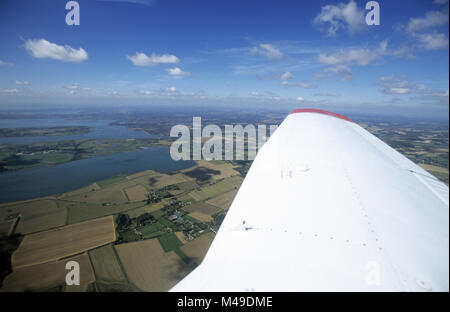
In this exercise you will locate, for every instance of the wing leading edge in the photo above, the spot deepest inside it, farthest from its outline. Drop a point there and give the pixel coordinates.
(326, 206)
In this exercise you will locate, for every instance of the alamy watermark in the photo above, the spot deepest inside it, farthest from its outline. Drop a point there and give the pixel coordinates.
(236, 142)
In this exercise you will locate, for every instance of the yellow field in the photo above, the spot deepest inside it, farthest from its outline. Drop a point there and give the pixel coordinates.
(111, 194)
(220, 187)
(89, 188)
(202, 208)
(186, 197)
(49, 275)
(181, 237)
(226, 169)
(29, 209)
(200, 216)
(147, 208)
(136, 193)
(161, 180)
(434, 168)
(106, 265)
(149, 267)
(223, 201)
(36, 215)
(141, 174)
(197, 248)
(63, 242)
(54, 219)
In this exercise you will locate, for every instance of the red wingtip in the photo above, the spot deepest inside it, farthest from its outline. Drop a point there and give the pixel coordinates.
(319, 111)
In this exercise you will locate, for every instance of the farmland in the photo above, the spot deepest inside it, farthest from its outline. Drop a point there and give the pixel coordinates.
(106, 264)
(140, 232)
(63, 242)
(36, 215)
(149, 267)
(197, 248)
(42, 277)
(216, 189)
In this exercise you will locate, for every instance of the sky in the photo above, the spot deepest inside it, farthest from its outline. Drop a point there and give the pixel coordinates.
(259, 54)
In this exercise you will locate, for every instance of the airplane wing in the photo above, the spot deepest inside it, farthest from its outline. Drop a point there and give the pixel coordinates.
(327, 206)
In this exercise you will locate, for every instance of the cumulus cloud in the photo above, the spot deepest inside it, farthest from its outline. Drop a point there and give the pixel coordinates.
(360, 57)
(433, 41)
(267, 50)
(431, 19)
(171, 89)
(338, 63)
(24, 83)
(342, 71)
(145, 92)
(286, 76)
(177, 72)
(44, 49)
(394, 85)
(10, 91)
(300, 98)
(141, 59)
(424, 29)
(400, 86)
(343, 16)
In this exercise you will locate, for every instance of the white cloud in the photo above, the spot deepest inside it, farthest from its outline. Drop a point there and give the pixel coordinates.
(2, 63)
(433, 41)
(302, 85)
(141, 59)
(440, 2)
(44, 49)
(442, 93)
(25, 83)
(286, 76)
(171, 89)
(145, 92)
(394, 85)
(177, 72)
(339, 62)
(300, 98)
(360, 57)
(340, 70)
(341, 16)
(267, 50)
(431, 19)
(256, 94)
(73, 87)
(10, 91)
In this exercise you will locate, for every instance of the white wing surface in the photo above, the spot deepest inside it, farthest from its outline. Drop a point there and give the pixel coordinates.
(326, 206)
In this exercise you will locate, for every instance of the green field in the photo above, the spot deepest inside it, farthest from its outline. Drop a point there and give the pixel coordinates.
(106, 264)
(169, 242)
(112, 180)
(218, 188)
(78, 212)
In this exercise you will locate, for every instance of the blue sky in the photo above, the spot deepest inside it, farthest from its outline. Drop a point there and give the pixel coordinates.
(255, 53)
